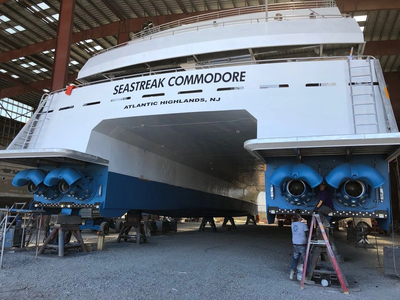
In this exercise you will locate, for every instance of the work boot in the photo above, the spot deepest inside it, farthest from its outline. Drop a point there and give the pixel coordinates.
(308, 281)
(291, 276)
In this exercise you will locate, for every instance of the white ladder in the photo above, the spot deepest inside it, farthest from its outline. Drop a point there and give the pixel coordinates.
(362, 95)
(30, 132)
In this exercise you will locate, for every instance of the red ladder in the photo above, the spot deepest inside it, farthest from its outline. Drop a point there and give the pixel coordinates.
(329, 250)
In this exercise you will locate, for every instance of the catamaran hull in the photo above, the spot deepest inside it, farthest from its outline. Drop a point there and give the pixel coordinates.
(359, 187)
(172, 139)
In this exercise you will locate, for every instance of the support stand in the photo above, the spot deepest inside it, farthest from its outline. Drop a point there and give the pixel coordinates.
(140, 236)
(250, 218)
(317, 247)
(205, 221)
(134, 220)
(231, 220)
(60, 229)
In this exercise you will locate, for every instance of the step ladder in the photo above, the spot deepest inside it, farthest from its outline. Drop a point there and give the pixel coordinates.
(317, 246)
(31, 131)
(362, 95)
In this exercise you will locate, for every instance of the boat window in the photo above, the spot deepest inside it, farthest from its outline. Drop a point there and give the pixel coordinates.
(120, 99)
(91, 103)
(273, 86)
(230, 88)
(66, 107)
(190, 92)
(153, 95)
(320, 84)
(50, 111)
(363, 83)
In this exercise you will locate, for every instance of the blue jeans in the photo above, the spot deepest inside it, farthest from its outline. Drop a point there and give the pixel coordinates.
(297, 251)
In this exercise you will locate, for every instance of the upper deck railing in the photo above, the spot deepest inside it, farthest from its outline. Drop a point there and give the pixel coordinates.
(160, 30)
(246, 60)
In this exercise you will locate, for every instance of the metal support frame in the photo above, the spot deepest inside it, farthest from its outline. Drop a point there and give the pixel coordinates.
(140, 235)
(231, 220)
(205, 221)
(10, 219)
(60, 229)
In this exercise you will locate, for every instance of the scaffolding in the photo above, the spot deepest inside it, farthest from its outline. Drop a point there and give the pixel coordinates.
(27, 222)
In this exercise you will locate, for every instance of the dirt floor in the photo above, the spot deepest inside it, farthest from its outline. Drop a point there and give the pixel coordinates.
(249, 262)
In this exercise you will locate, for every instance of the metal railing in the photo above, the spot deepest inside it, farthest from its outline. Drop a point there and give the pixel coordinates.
(210, 65)
(181, 25)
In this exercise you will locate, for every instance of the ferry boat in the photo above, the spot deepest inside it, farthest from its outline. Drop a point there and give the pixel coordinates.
(198, 116)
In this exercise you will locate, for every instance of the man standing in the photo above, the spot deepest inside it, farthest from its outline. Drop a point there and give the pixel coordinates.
(299, 240)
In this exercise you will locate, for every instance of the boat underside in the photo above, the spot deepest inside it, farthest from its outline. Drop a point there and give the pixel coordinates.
(179, 165)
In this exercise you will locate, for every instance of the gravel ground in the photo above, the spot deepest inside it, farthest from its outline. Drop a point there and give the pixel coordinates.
(250, 262)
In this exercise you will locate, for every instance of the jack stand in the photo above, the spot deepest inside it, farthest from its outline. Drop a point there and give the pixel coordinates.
(250, 218)
(231, 220)
(64, 224)
(140, 236)
(134, 219)
(205, 221)
(60, 229)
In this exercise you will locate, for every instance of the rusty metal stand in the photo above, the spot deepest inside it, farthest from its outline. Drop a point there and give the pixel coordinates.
(61, 229)
(133, 220)
(231, 220)
(317, 247)
(140, 236)
(205, 221)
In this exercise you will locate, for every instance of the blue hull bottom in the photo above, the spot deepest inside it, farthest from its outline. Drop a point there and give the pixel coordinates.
(126, 193)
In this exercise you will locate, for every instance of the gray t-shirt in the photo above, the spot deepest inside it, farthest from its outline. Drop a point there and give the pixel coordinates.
(298, 233)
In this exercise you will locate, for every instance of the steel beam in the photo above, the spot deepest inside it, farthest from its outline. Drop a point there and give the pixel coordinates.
(18, 83)
(63, 47)
(36, 86)
(131, 25)
(390, 47)
(348, 6)
(123, 37)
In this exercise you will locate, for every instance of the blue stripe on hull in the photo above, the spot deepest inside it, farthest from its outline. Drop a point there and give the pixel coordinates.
(126, 193)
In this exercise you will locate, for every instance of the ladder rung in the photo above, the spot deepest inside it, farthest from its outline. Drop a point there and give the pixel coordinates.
(356, 67)
(372, 124)
(365, 75)
(318, 242)
(366, 114)
(363, 104)
(361, 95)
